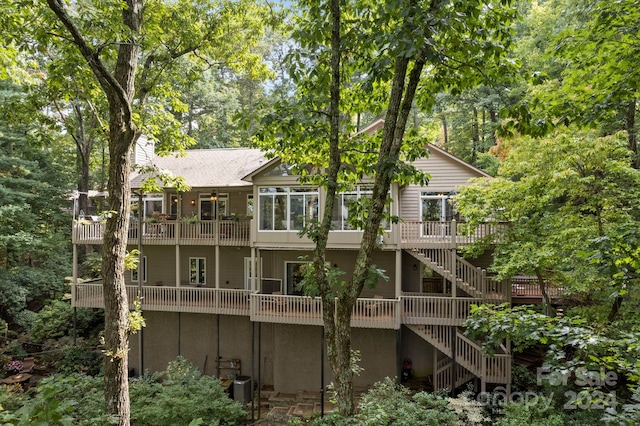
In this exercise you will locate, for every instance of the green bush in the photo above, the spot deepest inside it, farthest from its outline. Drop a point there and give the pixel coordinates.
(388, 403)
(80, 359)
(55, 320)
(79, 400)
(518, 414)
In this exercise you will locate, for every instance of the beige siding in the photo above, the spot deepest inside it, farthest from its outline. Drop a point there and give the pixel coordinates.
(232, 266)
(446, 175)
(273, 266)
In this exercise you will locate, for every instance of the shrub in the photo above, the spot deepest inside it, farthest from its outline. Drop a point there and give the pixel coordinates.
(53, 321)
(388, 403)
(517, 414)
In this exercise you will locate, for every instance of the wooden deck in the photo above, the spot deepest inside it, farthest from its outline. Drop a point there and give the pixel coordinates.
(410, 308)
(172, 232)
(238, 233)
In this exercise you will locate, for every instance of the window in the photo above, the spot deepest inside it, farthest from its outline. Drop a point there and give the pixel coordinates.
(173, 205)
(436, 207)
(153, 205)
(247, 272)
(295, 274)
(134, 272)
(344, 208)
(222, 204)
(197, 271)
(250, 205)
(206, 207)
(286, 208)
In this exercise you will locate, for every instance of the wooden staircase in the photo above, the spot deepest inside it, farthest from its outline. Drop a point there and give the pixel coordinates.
(472, 280)
(449, 340)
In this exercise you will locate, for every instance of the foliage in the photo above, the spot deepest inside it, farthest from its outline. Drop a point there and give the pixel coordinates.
(571, 343)
(569, 201)
(78, 399)
(56, 319)
(518, 413)
(388, 403)
(53, 321)
(80, 358)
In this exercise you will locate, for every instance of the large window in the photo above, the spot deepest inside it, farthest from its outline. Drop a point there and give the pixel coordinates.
(153, 205)
(435, 207)
(197, 271)
(344, 209)
(286, 208)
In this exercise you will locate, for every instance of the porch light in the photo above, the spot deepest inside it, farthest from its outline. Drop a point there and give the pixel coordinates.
(193, 202)
(214, 196)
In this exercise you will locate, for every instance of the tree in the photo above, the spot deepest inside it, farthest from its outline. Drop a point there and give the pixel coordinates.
(356, 57)
(587, 76)
(134, 55)
(569, 202)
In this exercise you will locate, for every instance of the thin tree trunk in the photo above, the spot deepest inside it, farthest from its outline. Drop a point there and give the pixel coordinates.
(615, 308)
(632, 137)
(543, 290)
(445, 131)
(475, 135)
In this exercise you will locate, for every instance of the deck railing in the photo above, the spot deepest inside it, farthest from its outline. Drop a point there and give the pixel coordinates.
(436, 310)
(171, 232)
(171, 299)
(417, 233)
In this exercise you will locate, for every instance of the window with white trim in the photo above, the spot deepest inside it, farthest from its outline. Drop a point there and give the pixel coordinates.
(153, 205)
(197, 271)
(436, 207)
(344, 208)
(134, 272)
(286, 208)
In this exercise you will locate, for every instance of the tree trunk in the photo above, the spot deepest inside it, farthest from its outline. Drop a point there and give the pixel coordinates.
(116, 304)
(632, 137)
(119, 88)
(615, 308)
(543, 290)
(445, 131)
(475, 135)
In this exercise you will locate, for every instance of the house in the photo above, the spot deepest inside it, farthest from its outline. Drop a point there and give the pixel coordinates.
(221, 263)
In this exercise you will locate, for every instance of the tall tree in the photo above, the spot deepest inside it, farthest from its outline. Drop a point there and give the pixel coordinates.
(134, 53)
(365, 57)
(587, 75)
(572, 203)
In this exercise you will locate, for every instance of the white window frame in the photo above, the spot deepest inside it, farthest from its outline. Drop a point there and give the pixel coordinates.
(288, 192)
(197, 265)
(134, 271)
(247, 271)
(360, 191)
(152, 198)
(445, 198)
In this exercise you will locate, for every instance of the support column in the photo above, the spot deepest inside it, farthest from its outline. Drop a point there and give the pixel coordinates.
(217, 260)
(252, 270)
(398, 274)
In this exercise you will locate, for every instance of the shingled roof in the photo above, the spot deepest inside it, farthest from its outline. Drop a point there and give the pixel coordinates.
(223, 167)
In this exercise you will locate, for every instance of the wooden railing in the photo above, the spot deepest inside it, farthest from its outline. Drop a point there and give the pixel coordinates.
(171, 232)
(285, 309)
(436, 310)
(171, 299)
(376, 313)
(417, 234)
(528, 287)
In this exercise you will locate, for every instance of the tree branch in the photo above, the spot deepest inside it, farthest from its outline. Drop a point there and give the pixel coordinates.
(106, 80)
